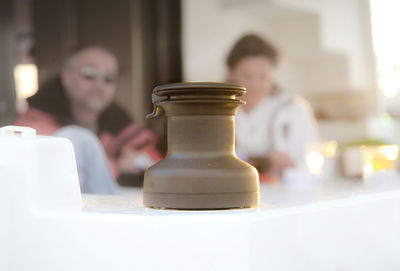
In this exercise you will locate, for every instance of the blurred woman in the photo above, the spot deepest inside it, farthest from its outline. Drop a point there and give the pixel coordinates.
(274, 127)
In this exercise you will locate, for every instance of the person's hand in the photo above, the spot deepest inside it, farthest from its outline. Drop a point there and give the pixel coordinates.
(279, 161)
(135, 161)
(125, 161)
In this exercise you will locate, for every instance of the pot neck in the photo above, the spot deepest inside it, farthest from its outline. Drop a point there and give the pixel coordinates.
(201, 134)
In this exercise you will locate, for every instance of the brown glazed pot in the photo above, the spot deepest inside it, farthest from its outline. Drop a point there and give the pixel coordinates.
(201, 169)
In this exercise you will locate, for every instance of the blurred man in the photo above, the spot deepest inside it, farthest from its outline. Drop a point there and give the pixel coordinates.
(79, 105)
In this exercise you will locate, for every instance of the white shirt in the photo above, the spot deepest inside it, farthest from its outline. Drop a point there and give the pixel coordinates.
(281, 122)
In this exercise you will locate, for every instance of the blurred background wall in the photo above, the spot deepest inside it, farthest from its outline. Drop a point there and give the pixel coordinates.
(7, 62)
(327, 50)
(327, 46)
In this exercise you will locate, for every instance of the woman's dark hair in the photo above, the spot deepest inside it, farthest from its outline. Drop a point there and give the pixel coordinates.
(252, 45)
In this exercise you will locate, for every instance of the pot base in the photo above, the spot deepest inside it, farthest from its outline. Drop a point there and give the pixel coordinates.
(210, 201)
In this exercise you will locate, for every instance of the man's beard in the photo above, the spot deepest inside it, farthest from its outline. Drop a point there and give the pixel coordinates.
(94, 105)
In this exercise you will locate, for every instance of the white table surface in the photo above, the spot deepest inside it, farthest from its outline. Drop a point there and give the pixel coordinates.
(273, 196)
(46, 225)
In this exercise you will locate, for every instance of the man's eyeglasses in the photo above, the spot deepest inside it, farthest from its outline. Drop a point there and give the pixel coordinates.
(91, 73)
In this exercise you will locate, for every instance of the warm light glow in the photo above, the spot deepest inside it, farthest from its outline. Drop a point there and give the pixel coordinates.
(368, 169)
(326, 148)
(389, 83)
(330, 149)
(379, 158)
(315, 161)
(384, 18)
(390, 152)
(26, 80)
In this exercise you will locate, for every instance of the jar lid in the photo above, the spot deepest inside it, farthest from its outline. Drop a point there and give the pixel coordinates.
(195, 92)
(199, 88)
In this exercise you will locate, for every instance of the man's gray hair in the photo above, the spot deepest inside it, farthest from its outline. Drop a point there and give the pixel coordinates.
(73, 55)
